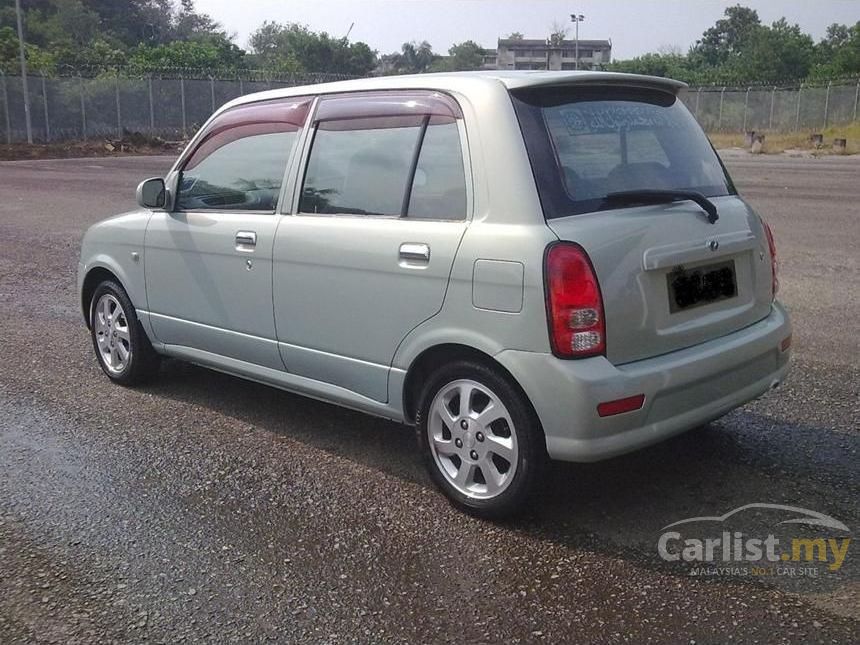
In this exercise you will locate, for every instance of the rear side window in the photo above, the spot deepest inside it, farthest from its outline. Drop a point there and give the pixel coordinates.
(240, 161)
(585, 143)
(397, 165)
(360, 167)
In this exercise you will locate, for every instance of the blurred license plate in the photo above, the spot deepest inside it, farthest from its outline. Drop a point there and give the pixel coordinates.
(690, 288)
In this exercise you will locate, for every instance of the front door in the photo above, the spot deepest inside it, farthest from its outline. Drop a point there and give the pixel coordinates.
(368, 253)
(208, 263)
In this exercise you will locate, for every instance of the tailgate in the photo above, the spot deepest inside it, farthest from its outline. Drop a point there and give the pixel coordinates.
(640, 253)
(616, 167)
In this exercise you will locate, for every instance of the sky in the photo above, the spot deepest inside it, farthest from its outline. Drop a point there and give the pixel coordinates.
(634, 26)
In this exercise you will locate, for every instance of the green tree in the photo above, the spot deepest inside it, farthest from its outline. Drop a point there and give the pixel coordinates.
(275, 45)
(211, 52)
(838, 54)
(837, 36)
(414, 58)
(738, 48)
(105, 33)
(68, 22)
(778, 52)
(847, 58)
(558, 33)
(8, 47)
(188, 24)
(666, 65)
(100, 53)
(38, 60)
(467, 55)
(128, 21)
(728, 37)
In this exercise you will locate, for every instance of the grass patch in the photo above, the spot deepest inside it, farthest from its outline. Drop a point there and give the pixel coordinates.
(776, 142)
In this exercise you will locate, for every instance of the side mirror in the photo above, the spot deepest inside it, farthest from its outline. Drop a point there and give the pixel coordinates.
(151, 193)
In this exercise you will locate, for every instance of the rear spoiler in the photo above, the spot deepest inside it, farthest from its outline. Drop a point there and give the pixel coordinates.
(543, 79)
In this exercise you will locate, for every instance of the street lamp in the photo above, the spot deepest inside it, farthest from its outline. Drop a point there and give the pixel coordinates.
(576, 18)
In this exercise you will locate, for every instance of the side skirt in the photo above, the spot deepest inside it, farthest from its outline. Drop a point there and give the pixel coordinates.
(285, 381)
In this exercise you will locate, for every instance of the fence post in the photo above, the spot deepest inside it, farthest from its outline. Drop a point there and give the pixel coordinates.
(720, 117)
(797, 115)
(827, 103)
(24, 88)
(212, 92)
(6, 108)
(83, 109)
(746, 104)
(151, 108)
(242, 88)
(698, 97)
(856, 97)
(118, 110)
(770, 118)
(182, 98)
(45, 106)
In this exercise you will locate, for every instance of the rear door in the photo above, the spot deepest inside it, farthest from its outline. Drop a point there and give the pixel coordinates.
(367, 253)
(669, 278)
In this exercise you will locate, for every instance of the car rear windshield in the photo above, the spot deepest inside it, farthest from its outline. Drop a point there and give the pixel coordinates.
(585, 143)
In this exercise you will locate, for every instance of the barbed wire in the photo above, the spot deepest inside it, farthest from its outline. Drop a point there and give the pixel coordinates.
(191, 73)
(784, 85)
(295, 78)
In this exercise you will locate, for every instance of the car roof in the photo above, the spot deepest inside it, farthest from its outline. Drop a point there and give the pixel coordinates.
(465, 82)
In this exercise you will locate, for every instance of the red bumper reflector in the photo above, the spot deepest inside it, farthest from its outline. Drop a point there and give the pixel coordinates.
(619, 406)
(786, 343)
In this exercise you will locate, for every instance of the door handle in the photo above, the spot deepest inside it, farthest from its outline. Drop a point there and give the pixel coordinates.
(246, 240)
(415, 252)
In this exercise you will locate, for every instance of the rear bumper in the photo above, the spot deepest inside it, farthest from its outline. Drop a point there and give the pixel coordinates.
(683, 389)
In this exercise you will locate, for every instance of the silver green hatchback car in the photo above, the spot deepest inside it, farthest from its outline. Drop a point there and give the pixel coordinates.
(522, 265)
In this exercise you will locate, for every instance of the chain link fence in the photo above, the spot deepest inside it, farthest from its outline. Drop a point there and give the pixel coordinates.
(65, 108)
(795, 108)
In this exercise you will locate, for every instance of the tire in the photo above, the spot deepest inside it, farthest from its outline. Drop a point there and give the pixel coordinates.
(122, 348)
(460, 443)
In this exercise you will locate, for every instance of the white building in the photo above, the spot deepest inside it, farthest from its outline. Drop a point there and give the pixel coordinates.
(515, 53)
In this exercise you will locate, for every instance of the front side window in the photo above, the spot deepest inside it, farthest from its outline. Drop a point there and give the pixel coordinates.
(369, 166)
(586, 143)
(239, 163)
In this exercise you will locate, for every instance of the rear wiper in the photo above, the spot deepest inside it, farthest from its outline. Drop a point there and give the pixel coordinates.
(664, 196)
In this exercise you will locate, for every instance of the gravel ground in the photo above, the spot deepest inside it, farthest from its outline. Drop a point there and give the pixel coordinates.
(204, 507)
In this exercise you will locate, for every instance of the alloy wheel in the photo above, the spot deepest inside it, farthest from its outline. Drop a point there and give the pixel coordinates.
(112, 333)
(472, 439)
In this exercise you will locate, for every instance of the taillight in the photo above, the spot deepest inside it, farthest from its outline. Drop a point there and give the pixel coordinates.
(573, 302)
(774, 263)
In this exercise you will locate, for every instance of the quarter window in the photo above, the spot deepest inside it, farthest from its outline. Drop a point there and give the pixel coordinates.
(240, 162)
(439, 188)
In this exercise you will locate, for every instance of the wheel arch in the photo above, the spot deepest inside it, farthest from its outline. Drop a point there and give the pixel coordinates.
(94, 276)
(434, 357)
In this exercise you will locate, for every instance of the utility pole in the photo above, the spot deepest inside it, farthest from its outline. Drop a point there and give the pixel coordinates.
(576, 18)
(23, 55)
